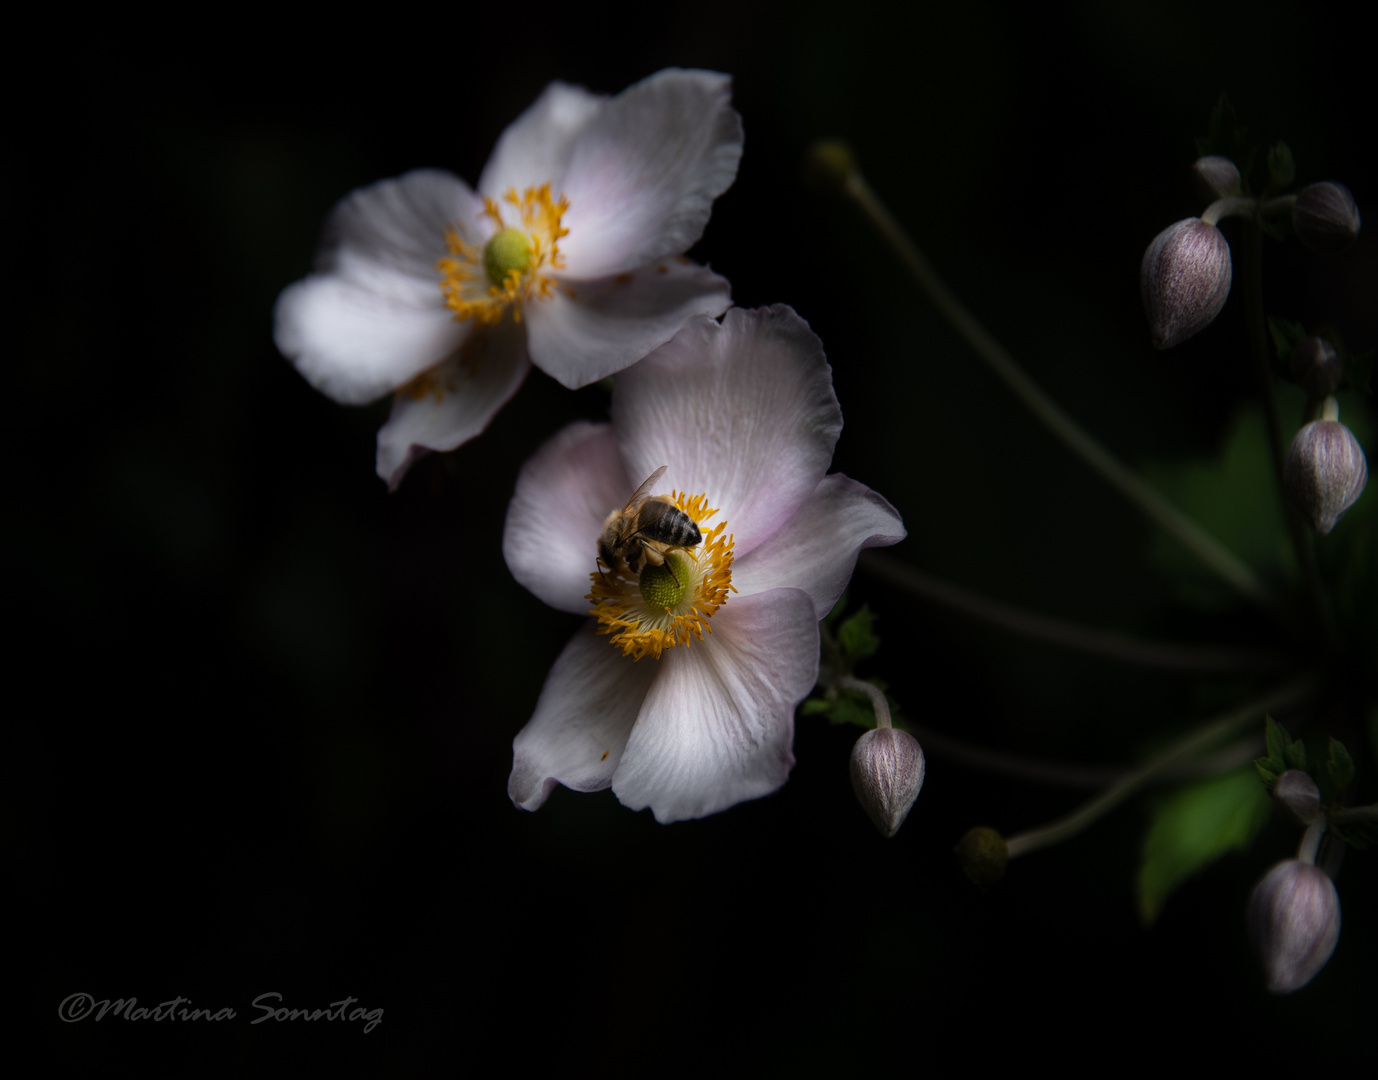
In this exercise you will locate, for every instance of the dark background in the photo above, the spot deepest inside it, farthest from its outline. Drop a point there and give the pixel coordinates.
(264, 710)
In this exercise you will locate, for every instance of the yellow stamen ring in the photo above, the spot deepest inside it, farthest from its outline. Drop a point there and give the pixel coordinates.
(640, 628)
(484, 283)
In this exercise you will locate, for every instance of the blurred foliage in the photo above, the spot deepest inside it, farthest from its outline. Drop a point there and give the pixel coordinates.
(1194, 826)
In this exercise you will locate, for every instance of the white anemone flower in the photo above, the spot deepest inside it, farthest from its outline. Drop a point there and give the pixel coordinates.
(568, 256)
(680, 693)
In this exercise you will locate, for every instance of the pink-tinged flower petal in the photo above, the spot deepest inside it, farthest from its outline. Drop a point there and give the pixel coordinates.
(450, 404)
(717, 725)
(564, 494)
(586, 709)
(643, 174)
(816, 549)
(743, 412)
(588, 331)
(397, 228)
(354, 344)
(535, 148)
(372, 317)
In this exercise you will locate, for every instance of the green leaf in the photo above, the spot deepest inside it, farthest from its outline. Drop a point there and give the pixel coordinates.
(1282, 169)
(1284, 753)
(1275, 738)
(857, 636)
(848, 707)
(1357, 834)
(1340, 766)
(1285, 336)
(1225, 136)
(1234, 498)
(852, 710)
(1194, 826)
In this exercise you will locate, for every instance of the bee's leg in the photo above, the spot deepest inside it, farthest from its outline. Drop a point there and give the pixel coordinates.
(656, 557)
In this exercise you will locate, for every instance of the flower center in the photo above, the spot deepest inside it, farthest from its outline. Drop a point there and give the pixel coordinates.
(508, 253)
(484, 283)
(671, 604)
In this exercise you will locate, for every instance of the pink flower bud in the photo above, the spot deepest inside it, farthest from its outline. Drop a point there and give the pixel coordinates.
(1325, 472)
(887, 773)
(1294, 923)
(1297, 794)
(1215, 177)
(1326, 217)
(1184, 280)
(1315, 366)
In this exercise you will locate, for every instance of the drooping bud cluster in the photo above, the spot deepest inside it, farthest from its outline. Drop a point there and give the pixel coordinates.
(1214, 177)
(1294, 923)
(1325, 472)
(1316, 366)
(1298, 795)
(887, 772)
(1184, 280)
(1326, 217)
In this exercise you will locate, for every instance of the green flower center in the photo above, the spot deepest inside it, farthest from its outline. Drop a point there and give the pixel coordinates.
(659, 587)
(509, 250)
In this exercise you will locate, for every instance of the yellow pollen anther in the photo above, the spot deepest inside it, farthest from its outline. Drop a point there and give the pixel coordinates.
(484, 283)
(624, 605)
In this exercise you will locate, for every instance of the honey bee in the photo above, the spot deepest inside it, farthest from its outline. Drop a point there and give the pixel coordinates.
(647, 527)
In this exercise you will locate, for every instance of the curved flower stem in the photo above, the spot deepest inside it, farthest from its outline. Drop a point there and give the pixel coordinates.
(1197, 740)
(877, 696)
(1073, 774)
(1230, 206)
(1311, 840)
(1070, 635)
(1228, 566)
(1255, 325)
(1281, 204)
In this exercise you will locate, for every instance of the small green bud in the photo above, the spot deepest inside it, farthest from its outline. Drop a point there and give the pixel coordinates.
(828, 165)
(665, 586)
(1315, 366)
(508, 250)
(1326, 217)
(983, 855)
(1282, 170)
(1184, 280)
(1294, 923)
(1325, 472)
(1215, 177)
(887, 772)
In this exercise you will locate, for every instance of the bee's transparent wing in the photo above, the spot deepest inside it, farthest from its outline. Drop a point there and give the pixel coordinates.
(641, 492)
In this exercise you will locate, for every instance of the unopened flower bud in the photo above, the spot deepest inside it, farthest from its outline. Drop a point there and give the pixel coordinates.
(1184, 280)
(1316, 366)
(828, 165)
(887, 773)
(1325, 472)
(1298, 795)
(1215, 177)
(1294, 923)
(1326, 217)
(983, 854)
